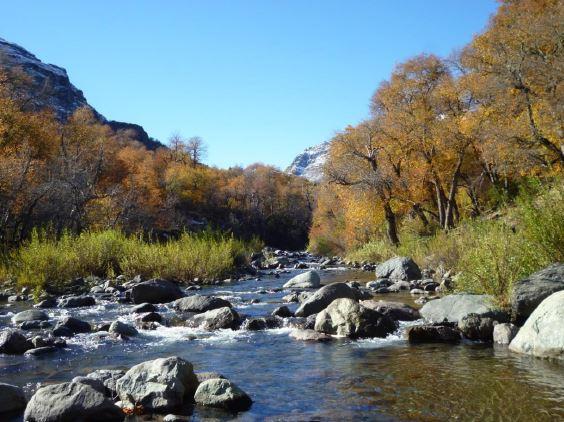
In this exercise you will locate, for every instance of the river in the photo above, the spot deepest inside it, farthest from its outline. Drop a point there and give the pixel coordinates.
(377, 379)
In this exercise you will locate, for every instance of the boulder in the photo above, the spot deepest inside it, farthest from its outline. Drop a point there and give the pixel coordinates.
(543, 332)
(74, 325)
(49, 302)
(432, 333)
(215, 319)
(398, 286)
(143, 307)
(158, 385)
(70, 401)
(121, 328)
(399, 268)
(397, 311)
(34, 325)
(475, 327)
(199, 303)
(323, 297)
(12, 398)
(30, 315)
(346, 317)
(504, 333)
(204, 376)
(282, 312)
(150, 317)
(308, 280)
(527, 294)
(309, 335)
(77, 302)
(13, 342)
(453, 308)
(222, 393)
(155, 291)
(257, 324)
(176, 418)
(377, 284)
(108, 378)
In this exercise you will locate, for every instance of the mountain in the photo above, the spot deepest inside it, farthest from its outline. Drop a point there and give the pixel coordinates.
(309, 164)
(49, 86)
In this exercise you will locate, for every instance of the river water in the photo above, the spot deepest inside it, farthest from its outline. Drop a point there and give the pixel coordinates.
(378, 379)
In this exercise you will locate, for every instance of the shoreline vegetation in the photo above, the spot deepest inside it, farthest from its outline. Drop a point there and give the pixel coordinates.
(489, 253)
(50, 263)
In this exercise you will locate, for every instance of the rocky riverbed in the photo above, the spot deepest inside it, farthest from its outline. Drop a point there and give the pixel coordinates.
(320, 340)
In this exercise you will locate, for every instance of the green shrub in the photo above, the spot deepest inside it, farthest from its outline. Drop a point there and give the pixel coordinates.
(48, 263)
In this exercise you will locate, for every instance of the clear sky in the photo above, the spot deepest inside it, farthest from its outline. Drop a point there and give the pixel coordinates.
(258, 80)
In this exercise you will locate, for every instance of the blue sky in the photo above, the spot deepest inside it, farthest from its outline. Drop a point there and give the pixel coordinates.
(258, 80)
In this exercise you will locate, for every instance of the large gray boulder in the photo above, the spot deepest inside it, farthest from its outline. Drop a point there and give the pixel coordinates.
(543, 332)
(397, 311)
(215, 319)
(13, 342)
(346, 317)
(222, 393)
(527, 294)
(453, 308)
(74, 325)
(108, 378)
(30, 315)
(158, 385)
(308, 280)
(155, 291)
(323, 297)
(12, 398)
(70, 402)
(399, 268)
(199, 303)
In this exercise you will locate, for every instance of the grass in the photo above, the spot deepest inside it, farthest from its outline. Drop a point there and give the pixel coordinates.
(489, 255)
(48, 263)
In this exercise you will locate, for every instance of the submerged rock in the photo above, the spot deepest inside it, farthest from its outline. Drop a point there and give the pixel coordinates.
(543, 333)
(39, 351)
(399, 268)
(308, 280)
(453, 308)
(199, 303)
(222, 393)
(155, 291)
(346, 317)
(158, 385)
(12, 398)
(323, 297)
(527, 294)
(70, 401)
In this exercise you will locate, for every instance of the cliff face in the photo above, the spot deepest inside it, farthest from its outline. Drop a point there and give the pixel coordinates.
(309, 164)
(50, 87)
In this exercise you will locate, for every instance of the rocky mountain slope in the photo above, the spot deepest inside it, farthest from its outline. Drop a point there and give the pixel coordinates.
(309, 164)
(50, 87)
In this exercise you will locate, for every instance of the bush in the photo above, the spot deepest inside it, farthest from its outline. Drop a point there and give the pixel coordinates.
(52, 264)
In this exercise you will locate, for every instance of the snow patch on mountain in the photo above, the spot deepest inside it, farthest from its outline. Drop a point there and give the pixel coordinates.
(309, 164)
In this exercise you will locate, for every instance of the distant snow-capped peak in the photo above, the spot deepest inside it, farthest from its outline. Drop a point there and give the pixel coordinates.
(309, 164)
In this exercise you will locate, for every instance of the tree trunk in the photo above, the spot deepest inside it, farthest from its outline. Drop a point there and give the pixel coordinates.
(391, 224)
